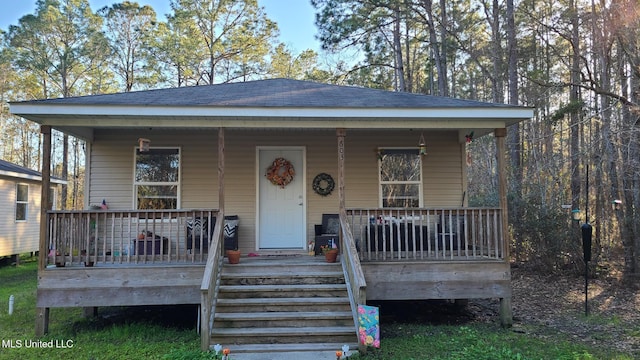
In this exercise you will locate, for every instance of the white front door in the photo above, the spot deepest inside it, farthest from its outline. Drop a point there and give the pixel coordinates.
(281, 210)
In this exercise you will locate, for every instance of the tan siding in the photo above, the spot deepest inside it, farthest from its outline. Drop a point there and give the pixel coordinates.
(322, 157)
(18, 237)
(441, 168)
(199, 170)
(112, 169)
(239, 182)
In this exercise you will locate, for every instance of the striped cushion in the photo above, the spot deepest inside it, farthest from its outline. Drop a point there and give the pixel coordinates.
(230, 228)
(197, 226)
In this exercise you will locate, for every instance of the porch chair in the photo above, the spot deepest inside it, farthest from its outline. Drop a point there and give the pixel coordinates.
(451, 229)
(231, 232)
(198, 226)
(327, 231)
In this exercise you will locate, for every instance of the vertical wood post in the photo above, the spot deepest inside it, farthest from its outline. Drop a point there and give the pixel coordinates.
(506, 311)
(221, 156)
(42, 314)
(44, 194)
(501, 152)
(341, 133)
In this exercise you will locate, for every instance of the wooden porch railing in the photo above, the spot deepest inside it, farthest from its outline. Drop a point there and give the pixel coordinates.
(393, 234)
(210, 286)
(95, 237)
(356, 283)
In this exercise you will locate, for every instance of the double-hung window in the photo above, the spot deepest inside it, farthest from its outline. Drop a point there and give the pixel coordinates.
(22, 202)
(157, 178)
(400, 178)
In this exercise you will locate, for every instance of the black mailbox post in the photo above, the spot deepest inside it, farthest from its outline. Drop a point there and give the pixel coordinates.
(587, 232)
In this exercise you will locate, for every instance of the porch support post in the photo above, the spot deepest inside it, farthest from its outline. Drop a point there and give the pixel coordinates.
(42, 314)
(44, 194)
(506, 311)
(341, 133)
(501, 151)
(221, 170)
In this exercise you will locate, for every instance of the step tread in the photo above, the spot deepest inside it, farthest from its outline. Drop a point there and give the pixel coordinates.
(284, 315)
(289, 330)
(276, 265)
(312, 262)
(287, 273)
(275, 301)
(309, 287)
(298, 347)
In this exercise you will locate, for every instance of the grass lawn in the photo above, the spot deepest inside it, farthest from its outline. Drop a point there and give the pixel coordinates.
(161, 333)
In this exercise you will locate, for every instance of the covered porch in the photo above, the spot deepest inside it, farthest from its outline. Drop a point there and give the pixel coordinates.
(101, 259)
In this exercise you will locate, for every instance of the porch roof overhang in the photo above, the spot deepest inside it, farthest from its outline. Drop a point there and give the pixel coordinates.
(276, 104)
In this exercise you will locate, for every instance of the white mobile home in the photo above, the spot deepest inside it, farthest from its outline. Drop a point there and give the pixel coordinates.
(20, 191)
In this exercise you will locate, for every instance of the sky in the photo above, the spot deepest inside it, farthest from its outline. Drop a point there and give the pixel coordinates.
(295, 18)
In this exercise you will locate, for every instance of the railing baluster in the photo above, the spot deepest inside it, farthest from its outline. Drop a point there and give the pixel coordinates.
(202, 236)
(458, 233)
(429, 233)
(130, 238)
(496, 224)
(465, 233)
(485, 235)
(413, 233)
(395, 222)
(119, 219)
(365, 238)
(475, 234)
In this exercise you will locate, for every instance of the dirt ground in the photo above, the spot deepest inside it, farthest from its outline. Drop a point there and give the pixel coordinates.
(547, 305)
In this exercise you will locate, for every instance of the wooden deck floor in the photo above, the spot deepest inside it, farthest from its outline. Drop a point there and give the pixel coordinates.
(130, 284)
(159, 283)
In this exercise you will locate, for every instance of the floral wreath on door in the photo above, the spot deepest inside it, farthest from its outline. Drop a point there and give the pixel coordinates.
(281, 172)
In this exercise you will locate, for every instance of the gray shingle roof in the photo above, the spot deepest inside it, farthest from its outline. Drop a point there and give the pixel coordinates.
(8, 168)
(273, 93)
(11, 167)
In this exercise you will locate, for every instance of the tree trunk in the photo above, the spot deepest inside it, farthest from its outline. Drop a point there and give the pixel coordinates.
(444, 85)
(632, 188)
(574, 98)
(513, 132)
(436, 49)
(65, 170)
(498, 54)
(625, 213)
(397, 48)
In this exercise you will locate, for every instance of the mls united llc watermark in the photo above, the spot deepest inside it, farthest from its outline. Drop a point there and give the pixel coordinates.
(36, 344)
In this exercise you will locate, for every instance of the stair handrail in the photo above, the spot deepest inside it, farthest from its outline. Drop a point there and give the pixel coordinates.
(354, 276)
(211, 283)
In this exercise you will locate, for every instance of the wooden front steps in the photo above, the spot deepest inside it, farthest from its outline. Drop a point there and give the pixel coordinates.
(283, 304)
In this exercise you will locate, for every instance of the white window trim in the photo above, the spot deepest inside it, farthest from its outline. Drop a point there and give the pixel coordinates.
(178, 183)
(26, 203)
(420, 183)
(53, 192)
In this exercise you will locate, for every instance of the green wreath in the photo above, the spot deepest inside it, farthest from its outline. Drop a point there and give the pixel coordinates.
(323, 184)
